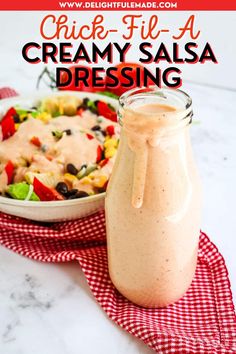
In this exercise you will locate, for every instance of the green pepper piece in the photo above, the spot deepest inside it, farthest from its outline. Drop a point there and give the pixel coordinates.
(56, 114)
(90, 169)
(92, 106)
(34, 114)
(20, 191)
(21, 111)
(57, 134)
(108, 94)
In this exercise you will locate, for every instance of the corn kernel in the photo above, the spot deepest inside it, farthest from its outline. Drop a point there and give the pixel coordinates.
(69, 177)
(110, 152)
(111, 143)
(99, 181)
(86, 180)
(17, 126)
(23, 117)
(50, 105)
(44, 116)
(60, 108)
(21, 162)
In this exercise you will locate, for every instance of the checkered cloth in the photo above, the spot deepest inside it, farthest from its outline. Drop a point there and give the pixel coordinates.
(202, 322)
(6, 92)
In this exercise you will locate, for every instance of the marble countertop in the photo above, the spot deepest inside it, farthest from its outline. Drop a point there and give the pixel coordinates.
(48, 308)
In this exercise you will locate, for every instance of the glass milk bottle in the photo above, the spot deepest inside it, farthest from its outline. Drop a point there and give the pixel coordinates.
(153, 201)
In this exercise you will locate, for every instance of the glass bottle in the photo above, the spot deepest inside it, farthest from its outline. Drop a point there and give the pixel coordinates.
(153, 200)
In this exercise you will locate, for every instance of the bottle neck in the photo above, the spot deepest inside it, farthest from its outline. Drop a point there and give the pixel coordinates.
(150, 117)
(143, 131)
(143, 128)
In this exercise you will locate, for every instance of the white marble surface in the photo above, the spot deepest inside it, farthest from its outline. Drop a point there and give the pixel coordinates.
(47, 308)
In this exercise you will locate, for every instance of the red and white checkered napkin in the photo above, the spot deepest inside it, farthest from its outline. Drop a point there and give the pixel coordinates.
(203, 321)
(6, 92)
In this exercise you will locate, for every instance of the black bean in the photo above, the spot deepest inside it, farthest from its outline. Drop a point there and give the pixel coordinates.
(8, 195)
(85, 101)
(96, 102)
(96, 127)
(72, 197)
(62, 188)
(71, 169)
(93, 110)
(104, 133)
(71, 192)
(16, 118)
(68, 131)
(81, 194)
(81, 106)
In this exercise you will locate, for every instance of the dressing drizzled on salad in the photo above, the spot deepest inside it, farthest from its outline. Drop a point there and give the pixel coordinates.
(62, 149)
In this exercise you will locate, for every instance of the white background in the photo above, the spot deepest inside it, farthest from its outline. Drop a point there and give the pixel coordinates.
(49, 308)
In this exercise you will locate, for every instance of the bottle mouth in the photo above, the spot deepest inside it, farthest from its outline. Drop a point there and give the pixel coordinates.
(133, 99)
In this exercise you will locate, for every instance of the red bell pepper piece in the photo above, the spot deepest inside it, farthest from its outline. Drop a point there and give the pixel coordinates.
(10, 113)
(45, 193)
(89, 136)
(105, 111)
(49, 157)
(110, 130)
(103, 162)
(80, 111)
(35, 141)
(99, 153)
(9, 169)
(105, 186)
(8, 124)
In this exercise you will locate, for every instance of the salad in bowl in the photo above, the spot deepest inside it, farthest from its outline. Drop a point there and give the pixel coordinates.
(56, 154)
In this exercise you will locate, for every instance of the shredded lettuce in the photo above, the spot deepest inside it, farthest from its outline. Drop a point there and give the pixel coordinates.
(108, 94)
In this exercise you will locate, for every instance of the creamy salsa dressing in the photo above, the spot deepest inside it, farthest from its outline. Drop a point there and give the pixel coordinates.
(76, 148)
(140, 136)
(153, 209)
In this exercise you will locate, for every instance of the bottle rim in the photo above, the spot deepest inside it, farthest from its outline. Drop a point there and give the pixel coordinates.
(180, 100)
